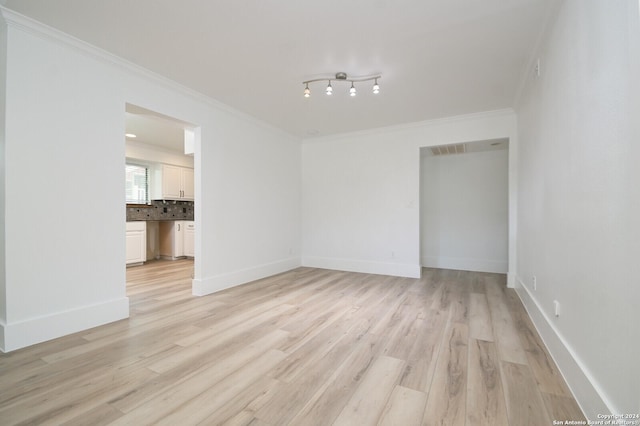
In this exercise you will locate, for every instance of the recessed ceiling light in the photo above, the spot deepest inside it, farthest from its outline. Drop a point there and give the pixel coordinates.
(130, 135)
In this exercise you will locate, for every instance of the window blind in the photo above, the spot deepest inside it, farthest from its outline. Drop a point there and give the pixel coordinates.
(137, 184)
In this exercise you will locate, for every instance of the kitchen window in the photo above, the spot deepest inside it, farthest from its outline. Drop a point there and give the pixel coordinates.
(137, 183)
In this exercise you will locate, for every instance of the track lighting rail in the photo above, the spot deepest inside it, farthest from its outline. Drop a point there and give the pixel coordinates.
(342, 76)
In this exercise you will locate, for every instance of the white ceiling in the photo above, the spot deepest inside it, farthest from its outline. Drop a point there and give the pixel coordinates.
(438, 58)
(155, 129)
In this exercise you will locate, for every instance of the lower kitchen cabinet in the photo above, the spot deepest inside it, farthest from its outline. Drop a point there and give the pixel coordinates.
(176, 238)
(136, 242)
(171, 235)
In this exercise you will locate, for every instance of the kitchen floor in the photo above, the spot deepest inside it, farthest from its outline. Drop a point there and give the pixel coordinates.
(161, 273)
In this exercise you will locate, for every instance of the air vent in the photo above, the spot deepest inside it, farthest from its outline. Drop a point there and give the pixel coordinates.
(449, 149)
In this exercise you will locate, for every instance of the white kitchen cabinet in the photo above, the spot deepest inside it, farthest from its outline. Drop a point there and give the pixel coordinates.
(173, 183)
(136, 242)
(188, 187)
(171, 235)
(189, 238)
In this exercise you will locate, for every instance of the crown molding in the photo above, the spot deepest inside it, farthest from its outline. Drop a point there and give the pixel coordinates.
(29, 25)
(505, 112)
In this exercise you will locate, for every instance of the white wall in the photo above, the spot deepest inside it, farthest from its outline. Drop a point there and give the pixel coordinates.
(579, 195)
(59, 153)
(464, 220)
(360, 192)
(3, 88)
(64, 153)
(249, 192)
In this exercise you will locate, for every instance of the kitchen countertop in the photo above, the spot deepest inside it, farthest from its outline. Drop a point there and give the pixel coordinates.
(161, 211)
(169, 219)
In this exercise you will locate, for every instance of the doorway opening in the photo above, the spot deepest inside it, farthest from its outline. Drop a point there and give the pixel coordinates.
(160, 192)
(464, 206)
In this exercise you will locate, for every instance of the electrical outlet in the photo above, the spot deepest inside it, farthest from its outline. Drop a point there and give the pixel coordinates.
(535, 283)
(556, 308)
(537, 67)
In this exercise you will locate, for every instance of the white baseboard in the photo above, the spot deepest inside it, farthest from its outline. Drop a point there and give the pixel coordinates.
(584, 388)
(29, 332)
(202, 287)
(465, 264)
(363, 266)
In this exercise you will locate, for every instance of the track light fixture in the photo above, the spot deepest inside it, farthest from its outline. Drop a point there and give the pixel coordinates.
(342, 76)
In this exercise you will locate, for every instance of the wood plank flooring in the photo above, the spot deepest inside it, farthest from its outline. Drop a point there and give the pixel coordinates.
(307, 347)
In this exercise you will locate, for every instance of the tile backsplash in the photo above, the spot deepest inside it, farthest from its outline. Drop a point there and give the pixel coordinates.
(162, 210)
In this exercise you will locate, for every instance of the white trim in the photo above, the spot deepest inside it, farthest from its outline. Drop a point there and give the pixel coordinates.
(36, 330)
(590, 397)
(512, 249)
(413, 125)
(31, 26)
(466, 264)
(202, 287)
(363, 266)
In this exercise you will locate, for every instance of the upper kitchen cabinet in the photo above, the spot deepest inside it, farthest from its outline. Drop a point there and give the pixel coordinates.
(188, 192)
(173, 183)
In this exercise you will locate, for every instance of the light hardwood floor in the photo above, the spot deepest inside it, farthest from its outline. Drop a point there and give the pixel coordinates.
(307, 347)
